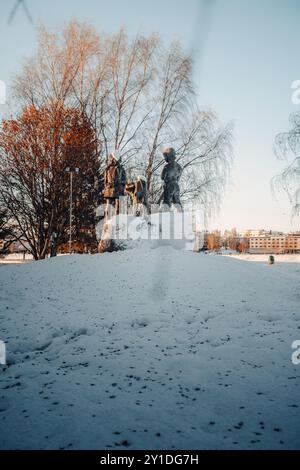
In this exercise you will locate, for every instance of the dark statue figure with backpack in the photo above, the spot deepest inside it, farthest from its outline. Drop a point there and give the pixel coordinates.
(138, 193)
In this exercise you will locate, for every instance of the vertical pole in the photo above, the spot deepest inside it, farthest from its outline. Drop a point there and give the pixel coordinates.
(71, 204)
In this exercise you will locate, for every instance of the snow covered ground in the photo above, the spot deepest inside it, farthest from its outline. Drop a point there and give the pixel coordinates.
(16, 258)
(149, 348)
(279, 258)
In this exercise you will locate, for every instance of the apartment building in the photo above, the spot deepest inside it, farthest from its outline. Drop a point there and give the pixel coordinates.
(275, 244)
(293, 243)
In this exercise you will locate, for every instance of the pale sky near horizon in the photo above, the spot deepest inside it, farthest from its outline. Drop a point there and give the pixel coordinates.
(247, 54)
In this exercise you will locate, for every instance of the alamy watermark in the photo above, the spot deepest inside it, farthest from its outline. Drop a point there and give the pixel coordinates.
(296, 354)
(155, 223)
(2, 353)
(2, 92)
(295, 96)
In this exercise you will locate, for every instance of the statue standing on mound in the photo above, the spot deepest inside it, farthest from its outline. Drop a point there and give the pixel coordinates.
(138, 193)
(114, 181)
(170, 175)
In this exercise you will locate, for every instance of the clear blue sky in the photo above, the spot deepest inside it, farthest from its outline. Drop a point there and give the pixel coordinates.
(247, 53)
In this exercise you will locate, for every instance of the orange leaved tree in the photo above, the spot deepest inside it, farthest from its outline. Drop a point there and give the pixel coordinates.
(36, 150)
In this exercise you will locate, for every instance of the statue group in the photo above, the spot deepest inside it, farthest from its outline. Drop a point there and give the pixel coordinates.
(116, 185)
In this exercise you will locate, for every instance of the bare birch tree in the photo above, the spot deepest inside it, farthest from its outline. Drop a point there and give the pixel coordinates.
(287, 149)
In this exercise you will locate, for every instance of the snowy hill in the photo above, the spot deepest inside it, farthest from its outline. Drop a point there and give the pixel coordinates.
(153, 348)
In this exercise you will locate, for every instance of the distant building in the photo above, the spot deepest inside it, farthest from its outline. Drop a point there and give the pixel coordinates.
(239, 244)
(261, 233)
(267, 244)
(275, 244)
(255, 233)
(232, 233)
(293, 243)
(14, 247)
(243, 246)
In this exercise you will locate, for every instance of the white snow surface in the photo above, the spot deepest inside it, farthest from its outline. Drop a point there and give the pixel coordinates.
(154, 348)
(279, 258)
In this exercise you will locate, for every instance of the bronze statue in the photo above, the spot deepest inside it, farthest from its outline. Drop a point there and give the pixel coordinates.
(114, 182)
(138, 193)
(170, 175)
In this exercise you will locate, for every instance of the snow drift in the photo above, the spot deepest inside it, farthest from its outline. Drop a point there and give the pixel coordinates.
(149, 348)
